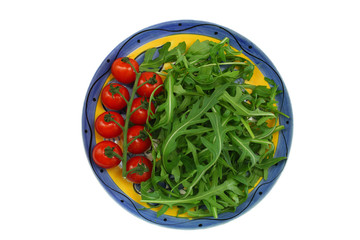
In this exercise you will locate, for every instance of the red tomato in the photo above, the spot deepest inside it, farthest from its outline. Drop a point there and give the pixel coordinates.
(143, 169)
(123, 72)
(101, 159)
(139, 145)
(111, 97)
(140, 115)
(106, 127)
(148, 88)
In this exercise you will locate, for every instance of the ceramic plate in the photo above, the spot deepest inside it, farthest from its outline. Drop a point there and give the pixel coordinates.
(126, 193)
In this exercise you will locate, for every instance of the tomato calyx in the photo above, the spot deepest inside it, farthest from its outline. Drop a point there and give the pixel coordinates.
(143, 135)
(144, 104)
(140, 169)
(109, 118)
(152, 80)
(125, 60)
(148, 82)
(116, 90)
(110, 153)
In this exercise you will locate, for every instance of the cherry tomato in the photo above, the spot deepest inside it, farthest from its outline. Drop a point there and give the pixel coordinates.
(142, 171)
(140, 115)
(101, 159)
(148, 88)
(106, 126)
(123, 72)
(139, 145)
(112, 98)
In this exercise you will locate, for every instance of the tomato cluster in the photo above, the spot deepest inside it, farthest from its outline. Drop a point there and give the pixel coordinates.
(110, 124)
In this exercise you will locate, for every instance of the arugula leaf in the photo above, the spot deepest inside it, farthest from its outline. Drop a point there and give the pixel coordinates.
(270, 81)
(150, 64)
(239, 107)
(244, 146)
(199, 50)
(215, 148)
(214, 140)
(194, 117)
(169, 105)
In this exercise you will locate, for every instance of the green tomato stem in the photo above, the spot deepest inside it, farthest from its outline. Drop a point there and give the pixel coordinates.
(118, 156)
(108, 118)
(127, 120)
(117, 123)
(116, 90)
(109, 152)
(135, 110)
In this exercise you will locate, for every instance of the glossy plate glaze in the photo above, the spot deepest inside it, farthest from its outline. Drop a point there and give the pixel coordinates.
(126, 193)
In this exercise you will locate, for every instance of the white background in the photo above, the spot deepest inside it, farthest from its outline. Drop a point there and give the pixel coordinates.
(49, 52)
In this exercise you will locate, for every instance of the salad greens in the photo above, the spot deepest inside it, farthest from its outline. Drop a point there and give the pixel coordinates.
(211, 137)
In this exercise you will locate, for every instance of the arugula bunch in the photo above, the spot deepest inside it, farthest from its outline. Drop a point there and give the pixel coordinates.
(211, 134)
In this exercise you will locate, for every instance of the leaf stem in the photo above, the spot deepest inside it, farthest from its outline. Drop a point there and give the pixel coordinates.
(225, 63)
(161, 73)
(150, 113)
(247, 126)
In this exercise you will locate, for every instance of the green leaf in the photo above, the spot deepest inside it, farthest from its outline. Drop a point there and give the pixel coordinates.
(194, 116)
(262, 91)
(244, 146)
(149, 54)
(230, 185)
(215, 148)
(239, 107)
(153, 64)
(199, 50)
(270, 162)
(192, 149)
(169, 105)
(162, 210)
(176, 173)
(270, 81)
(212, 139)
(263, 120)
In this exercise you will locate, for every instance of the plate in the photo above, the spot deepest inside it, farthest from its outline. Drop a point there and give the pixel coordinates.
(126, 193)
